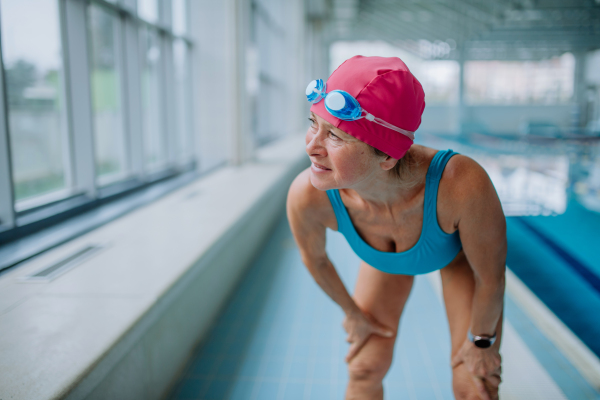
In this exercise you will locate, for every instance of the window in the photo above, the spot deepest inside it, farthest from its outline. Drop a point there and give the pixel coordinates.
(439, 80)
(35, 85)
(269, 44)
(183, 99)
(152, 108)
(148, 10)
(106, 86)
(520, 82)
(92, 91)
(179, 13)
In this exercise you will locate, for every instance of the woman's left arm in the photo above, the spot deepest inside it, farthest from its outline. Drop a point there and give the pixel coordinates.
(482, 229)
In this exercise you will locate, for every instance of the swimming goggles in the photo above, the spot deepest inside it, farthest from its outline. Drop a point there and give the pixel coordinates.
(344, 106)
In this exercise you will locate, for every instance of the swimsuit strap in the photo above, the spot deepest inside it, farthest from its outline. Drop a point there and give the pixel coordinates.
(434, 174)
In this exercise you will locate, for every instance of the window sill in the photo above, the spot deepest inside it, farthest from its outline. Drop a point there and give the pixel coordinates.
(51, 225)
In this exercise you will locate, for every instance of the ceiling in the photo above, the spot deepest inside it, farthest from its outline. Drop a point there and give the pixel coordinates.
(467, 29)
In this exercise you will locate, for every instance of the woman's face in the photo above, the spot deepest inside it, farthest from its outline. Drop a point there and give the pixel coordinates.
(349, 161)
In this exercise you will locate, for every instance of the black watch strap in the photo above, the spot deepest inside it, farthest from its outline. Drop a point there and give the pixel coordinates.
(481, 341)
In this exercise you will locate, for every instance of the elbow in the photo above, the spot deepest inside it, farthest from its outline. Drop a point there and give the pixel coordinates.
(493, 282)
(315, 264)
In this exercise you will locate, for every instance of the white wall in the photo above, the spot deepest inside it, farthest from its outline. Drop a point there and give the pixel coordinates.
(212, 25)
(222, 107)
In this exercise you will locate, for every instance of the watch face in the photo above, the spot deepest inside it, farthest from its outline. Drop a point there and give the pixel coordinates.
(483, 343)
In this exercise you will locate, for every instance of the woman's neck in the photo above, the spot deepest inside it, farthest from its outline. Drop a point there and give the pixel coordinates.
(388, 191)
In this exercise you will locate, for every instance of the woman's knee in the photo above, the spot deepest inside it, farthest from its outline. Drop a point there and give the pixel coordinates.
(371, 369)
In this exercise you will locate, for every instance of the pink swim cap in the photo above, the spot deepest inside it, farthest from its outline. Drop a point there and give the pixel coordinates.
(385, 87)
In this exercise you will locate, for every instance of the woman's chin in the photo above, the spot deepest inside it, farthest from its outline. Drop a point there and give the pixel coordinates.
(320, 183)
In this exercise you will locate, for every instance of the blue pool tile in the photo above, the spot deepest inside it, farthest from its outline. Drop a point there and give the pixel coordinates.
(236, 348)
(241, 390)
(256, 348)
(228, 367)
(278, 349)
(298, 371)
(294, 391)
(190, 388)
(301, 352)
(425, 392)
(203, 366)
(273, 369)
(322, 371)
(249, 368)
(340, 391)
(217, 390)
(320, 391)
(213, 348)
(342, 373)
(268, 391)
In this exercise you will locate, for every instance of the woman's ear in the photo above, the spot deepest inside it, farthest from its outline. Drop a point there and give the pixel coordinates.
(388, 163)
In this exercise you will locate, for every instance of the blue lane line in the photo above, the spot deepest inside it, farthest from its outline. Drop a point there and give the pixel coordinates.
(577, 266)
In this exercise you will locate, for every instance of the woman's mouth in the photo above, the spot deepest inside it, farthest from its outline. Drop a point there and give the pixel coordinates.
(319, 168)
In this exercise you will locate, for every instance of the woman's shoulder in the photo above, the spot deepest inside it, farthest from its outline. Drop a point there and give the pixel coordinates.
(463, 180)
(310, 201)
(463, 171)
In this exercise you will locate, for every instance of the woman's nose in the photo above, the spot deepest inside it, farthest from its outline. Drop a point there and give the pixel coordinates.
(313, 143)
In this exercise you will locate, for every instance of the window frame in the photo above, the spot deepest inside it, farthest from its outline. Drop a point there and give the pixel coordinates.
(87, 192)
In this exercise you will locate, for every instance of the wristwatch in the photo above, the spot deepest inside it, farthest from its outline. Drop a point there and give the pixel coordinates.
(481, 341)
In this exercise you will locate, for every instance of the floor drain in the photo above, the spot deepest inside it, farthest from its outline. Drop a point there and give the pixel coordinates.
(52, 271)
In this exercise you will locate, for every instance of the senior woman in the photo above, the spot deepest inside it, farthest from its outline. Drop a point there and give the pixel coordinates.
(405, 210)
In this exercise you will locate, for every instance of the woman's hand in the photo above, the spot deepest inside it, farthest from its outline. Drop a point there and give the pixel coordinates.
(359, 326)
(484, 365)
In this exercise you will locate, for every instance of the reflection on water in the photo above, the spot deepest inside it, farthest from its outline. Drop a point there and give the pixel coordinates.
(533, 175)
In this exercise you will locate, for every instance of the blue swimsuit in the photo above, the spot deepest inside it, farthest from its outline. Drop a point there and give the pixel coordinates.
(435, 248)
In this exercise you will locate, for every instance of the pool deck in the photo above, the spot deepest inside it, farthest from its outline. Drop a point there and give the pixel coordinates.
(281, 337)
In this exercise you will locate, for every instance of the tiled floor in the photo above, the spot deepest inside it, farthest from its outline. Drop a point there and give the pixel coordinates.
(280, 337)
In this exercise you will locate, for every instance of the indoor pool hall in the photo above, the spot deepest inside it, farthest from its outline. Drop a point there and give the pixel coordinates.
(299, 200)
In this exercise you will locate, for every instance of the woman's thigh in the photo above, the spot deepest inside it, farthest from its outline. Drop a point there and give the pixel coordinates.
(383, 296)
(458, 282)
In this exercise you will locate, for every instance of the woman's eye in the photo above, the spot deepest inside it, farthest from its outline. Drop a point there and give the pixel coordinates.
(313, 126)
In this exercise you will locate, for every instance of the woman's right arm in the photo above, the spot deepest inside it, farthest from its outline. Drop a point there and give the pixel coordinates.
(305, 221)
(309, 233)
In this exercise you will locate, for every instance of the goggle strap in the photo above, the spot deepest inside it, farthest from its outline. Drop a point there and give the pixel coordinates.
(381, 122)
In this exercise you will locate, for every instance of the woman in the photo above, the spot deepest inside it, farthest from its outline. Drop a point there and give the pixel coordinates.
(405, 210)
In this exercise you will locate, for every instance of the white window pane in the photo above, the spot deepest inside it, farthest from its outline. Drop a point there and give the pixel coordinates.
(33, 64)
(152, 107)
(109, 139)
(179, 16)
(148, 10)
(183, 98)
(520, 82)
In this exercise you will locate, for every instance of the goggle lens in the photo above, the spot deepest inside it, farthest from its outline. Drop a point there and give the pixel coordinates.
(315, 91)
(342, 105)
